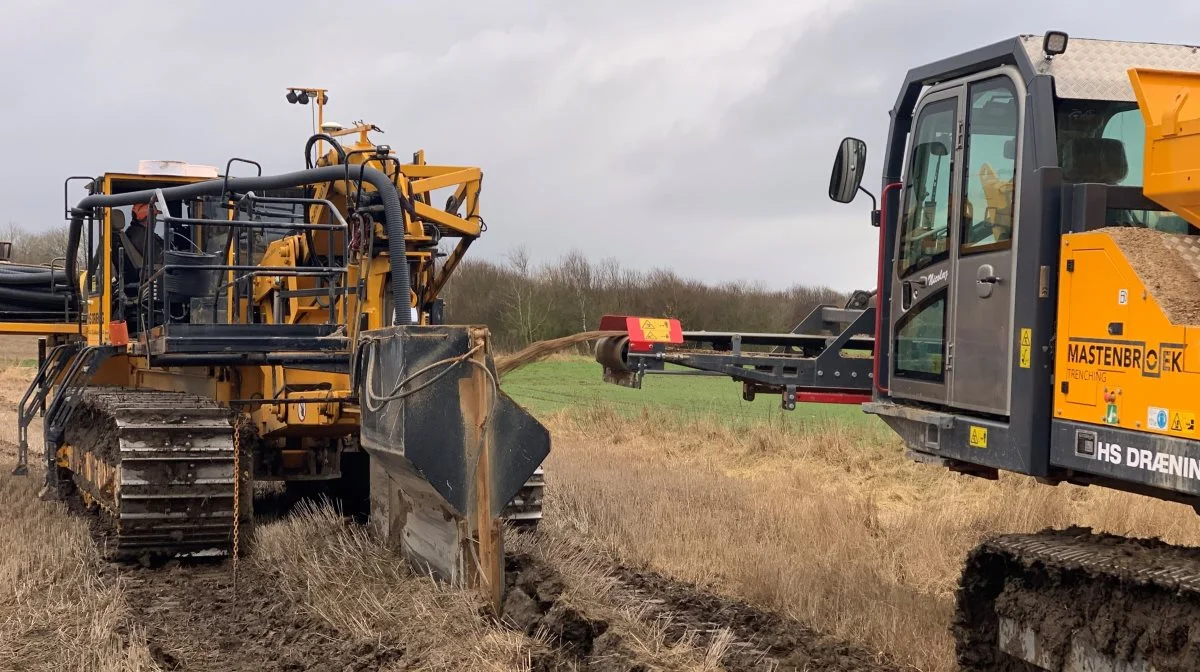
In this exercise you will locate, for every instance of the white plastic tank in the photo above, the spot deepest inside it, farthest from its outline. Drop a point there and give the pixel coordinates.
(177, 168)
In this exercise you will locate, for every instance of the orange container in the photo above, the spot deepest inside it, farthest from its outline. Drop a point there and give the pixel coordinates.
(118, 332)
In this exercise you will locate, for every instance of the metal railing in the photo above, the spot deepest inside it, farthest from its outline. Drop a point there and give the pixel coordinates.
(189, 271)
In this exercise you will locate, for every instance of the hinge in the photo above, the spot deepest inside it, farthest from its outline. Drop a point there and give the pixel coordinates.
(949, 356)
(958, 143)
(1070, 265)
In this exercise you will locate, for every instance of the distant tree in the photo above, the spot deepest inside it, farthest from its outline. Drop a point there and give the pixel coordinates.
(522, 302)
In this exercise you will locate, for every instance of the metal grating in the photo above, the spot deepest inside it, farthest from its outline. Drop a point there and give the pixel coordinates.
(1098, 69)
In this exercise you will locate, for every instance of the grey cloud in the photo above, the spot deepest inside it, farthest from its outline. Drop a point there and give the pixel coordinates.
(694, 135)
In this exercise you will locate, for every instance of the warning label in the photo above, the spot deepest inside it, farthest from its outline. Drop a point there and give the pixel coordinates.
(1183, 421)
(978, 437)
(1026, 347)
(656, 330)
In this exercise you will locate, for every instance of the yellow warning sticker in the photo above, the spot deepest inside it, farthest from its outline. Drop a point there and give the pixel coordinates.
(1183, 421)
(978, 438)
(655, 331)
(1026, 346)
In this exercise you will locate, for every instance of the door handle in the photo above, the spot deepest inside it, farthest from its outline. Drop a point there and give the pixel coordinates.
(986, 280)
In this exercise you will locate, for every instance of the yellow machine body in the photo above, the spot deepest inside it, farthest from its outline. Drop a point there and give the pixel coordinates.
(1119, 360)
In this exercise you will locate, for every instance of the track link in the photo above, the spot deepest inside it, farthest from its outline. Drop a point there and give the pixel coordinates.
(159, 466)
(1073, 600)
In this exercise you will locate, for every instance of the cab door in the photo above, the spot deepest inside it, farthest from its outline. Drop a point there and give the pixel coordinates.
(951, 332)
(924, 271)
(981, 331)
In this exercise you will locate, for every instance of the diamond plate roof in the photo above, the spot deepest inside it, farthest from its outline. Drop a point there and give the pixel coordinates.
(1098, 69)
(1188, 249)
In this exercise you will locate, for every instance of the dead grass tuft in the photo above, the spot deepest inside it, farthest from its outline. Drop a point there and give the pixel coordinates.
(347, 577)
(827, 523)
(59, 613)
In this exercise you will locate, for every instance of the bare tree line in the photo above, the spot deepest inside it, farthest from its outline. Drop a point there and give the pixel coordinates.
(35, 247)
(522, 301)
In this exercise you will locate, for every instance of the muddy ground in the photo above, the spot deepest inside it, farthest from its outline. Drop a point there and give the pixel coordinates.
(737, 635)
(194, 620)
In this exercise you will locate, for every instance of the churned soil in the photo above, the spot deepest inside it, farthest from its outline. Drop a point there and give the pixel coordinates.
(194, 619)
(749, 638)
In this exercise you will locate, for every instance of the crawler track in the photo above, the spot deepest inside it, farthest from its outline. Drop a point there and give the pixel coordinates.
(158, 465)
(1071, 594)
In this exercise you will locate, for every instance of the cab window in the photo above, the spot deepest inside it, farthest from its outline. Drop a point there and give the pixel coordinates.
(924, 236)
(991, 165)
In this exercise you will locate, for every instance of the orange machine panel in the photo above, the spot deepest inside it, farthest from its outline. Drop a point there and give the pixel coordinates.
(1119, 359)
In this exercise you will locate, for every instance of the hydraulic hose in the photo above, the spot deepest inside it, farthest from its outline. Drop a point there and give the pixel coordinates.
(308, 162)
(393, 209)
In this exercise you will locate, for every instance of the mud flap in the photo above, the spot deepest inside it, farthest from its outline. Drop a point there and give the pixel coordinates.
(448, 449)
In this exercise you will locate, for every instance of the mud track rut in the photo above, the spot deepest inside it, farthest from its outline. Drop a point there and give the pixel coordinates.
(193, 621)
(745, 637)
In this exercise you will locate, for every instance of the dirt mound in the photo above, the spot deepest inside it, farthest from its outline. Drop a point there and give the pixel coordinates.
(578, 640)
(1168, 265)
(193, 620)
(509, 363)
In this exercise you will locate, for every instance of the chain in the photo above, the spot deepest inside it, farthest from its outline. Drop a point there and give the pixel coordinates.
(237, 499)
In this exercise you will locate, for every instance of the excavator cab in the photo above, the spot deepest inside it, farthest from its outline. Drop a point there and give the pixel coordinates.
(1037, 311)
(1043, 142)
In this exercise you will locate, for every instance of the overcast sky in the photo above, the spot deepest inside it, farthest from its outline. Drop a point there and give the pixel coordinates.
(695, 135)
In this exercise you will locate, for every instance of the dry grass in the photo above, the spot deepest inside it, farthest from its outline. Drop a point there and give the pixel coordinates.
(830, 525)
(17, 349)
(59, 613)
(346, 577)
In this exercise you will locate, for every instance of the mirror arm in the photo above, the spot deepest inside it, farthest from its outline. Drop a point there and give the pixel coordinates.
(874, 206)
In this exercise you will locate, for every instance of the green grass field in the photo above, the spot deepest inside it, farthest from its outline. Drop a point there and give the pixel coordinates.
(548, 386)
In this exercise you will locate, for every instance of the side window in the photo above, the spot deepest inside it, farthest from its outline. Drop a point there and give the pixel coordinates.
(991, 165)
(921, 340)
(924, 238)
(1128, 128)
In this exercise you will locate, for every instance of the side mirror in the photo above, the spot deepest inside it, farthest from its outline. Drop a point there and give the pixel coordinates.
(848, 167)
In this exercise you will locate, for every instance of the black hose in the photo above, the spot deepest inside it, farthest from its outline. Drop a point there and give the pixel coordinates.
(393, 208)
(25, 268)
(30, 298)
(8, 278)
(308, 162)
